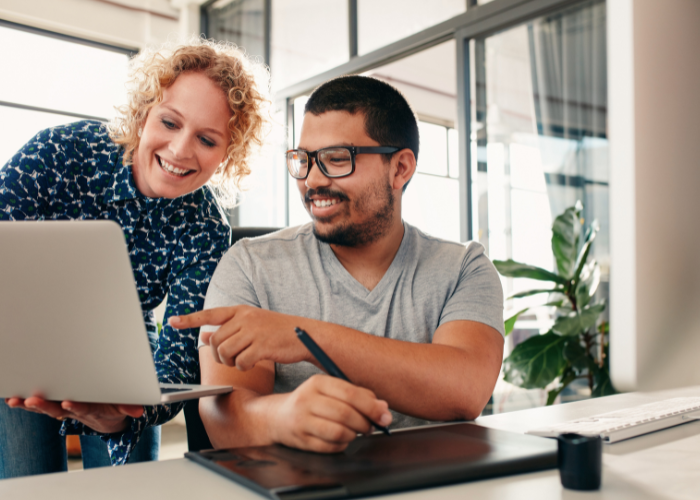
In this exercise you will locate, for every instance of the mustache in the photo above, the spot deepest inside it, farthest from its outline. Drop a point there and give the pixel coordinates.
(325, 192)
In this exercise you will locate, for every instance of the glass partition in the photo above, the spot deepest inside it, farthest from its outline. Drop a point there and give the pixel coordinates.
(539, 144)
(241, 22)
(308, 37)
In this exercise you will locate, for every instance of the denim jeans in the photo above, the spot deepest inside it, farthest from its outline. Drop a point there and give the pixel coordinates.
(30, 444)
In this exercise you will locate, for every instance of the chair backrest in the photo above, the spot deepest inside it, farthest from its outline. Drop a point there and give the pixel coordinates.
(197, 438)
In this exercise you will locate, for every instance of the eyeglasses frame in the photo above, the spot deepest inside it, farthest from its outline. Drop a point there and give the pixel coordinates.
(354, 151)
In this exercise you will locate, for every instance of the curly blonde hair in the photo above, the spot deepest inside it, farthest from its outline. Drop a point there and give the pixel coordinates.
(245, 83)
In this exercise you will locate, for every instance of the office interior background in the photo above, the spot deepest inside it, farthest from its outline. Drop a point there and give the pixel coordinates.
(511, 97)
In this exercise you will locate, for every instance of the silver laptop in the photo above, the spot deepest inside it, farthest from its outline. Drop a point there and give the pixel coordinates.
(71, 326)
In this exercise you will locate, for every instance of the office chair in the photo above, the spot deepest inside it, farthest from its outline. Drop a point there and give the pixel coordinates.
(197, 438)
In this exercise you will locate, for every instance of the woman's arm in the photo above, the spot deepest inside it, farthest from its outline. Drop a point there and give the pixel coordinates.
(24, 179)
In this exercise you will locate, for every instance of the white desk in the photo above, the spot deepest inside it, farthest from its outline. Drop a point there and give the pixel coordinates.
(663, 465)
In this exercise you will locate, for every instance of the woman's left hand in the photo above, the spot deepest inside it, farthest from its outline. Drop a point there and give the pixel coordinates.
(100, 417)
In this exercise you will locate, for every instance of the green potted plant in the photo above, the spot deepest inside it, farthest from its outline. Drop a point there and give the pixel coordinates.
(576, 347)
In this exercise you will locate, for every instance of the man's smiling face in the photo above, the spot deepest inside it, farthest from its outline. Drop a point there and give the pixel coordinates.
(347, 211)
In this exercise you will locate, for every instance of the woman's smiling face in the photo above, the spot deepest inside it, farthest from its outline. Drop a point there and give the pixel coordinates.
(184, 139)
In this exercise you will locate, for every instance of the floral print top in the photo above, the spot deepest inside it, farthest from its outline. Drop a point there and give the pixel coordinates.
(75, 172)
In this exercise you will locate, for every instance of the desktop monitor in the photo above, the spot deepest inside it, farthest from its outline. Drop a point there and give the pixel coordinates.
(654, 129)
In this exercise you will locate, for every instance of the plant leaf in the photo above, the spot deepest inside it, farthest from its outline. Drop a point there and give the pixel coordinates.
(520, 295)
(564, 307)
(556, 303)
(602, 385)
(595, 280)
(566, 378)
(586, 248)
(588, 284)
(578, 322)
(535, 362)
(509, 324)
(575, 354)
(513, 269)
(566, 229)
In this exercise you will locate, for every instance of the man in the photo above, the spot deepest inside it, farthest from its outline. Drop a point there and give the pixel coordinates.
(415, 322)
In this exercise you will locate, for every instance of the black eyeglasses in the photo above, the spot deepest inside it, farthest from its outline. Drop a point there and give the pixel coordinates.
(338, 161)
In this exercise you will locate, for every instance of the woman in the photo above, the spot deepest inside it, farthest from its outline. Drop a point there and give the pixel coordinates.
(162, 169)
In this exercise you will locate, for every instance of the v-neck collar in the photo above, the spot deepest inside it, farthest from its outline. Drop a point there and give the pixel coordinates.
(348, 280)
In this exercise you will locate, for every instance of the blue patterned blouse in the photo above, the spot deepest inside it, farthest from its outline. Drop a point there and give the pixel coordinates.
(75, 172)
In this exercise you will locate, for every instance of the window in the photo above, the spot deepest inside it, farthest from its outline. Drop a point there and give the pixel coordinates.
(308, 37)
(431, 200)
(295, 207)
(381, 22)
(48, 82)
(239, 21)
(428, 81)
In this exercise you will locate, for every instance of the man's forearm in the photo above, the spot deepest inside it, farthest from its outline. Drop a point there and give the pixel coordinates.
(432, 381)
(240, 418)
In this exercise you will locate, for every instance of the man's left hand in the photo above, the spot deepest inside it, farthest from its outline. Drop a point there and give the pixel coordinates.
(248, 335)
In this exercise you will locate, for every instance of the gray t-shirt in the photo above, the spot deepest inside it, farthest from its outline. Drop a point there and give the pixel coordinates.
(429, 283)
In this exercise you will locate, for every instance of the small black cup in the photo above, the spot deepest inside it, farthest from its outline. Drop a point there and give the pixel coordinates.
(580, 461)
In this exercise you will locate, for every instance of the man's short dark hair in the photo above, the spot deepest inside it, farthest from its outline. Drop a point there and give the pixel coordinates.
(389, 119)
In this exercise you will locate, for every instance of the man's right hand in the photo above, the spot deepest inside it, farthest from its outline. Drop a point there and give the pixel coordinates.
(325, 414)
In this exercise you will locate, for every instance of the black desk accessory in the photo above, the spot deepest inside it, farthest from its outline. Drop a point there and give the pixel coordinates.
(327, 363)
(580, 461)
(409, 459)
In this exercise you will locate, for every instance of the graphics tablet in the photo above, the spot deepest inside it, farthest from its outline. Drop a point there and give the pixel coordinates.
(411, 459)
(71, 326)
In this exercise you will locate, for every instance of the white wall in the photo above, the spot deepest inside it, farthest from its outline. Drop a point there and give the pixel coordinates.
(653, 72)
(117, 22)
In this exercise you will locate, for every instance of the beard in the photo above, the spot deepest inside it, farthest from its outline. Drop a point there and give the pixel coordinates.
(354, 234)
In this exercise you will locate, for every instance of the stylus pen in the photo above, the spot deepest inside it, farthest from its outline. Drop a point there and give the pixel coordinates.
(328, 365)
